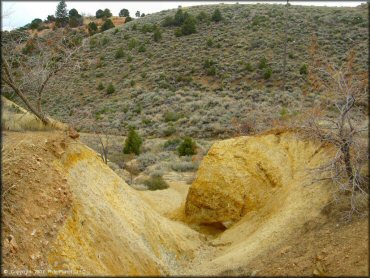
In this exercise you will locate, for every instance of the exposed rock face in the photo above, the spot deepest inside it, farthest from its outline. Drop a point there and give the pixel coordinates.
(241, 175)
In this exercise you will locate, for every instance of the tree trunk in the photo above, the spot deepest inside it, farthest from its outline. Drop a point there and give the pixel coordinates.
(347, 161)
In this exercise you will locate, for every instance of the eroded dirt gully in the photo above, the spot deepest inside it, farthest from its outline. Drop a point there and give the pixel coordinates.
(248, 212)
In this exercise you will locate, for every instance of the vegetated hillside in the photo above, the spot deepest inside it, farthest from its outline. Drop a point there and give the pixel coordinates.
(200, 84)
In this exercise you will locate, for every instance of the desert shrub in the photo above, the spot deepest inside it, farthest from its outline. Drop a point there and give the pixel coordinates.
(29, 47)
(132, 43)
(108, 24)
(267, 73)
(202, 17)
(263, 63)
(171, 144)
(168, 131)
(104, 41)
(180, 17)
(187, 147)
(100, 86)
(248, 67)
(188, 27)
(128, 19)
(92, 28)
(156, 183)
(110, 89)
(145, 160)
(119, 53)
(209, 42)
(134, 27)
(211, 70)
(178, 32)
(208, 63)
(168, 21)
(129, 58)
(184, 166)
(133, 142)
(147, 28)
(303, 69)
(216, 16)
(157, 35)
(142, 48)
(171, 116)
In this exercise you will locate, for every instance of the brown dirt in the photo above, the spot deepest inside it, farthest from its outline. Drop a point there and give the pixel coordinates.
(35, 198)
(334, 248)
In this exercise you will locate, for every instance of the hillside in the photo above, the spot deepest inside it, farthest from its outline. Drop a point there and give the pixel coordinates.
(164, 88)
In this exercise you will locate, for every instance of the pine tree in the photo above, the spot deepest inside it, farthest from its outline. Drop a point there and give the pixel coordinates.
(61, 14)
(133, 142)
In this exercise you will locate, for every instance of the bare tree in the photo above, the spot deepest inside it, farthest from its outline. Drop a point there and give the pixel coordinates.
(339, 121)
(104, 146)
(29, 63)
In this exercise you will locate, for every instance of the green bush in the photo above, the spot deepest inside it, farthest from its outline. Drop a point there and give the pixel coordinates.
(157, 35)
(100, 86)
(178, 32)
(169, 131)
(142, 48)
(216, 16)
(187, 147)
(248, 67)
(156, 183)
(202, 17)
(188, 27)
(133, 142)
(303, 69)
(132, 43)
(168, 21)
(93, 28)
(267, 73)
(110, 89)
(119, 53)
(263, 63)
(108, 24)
(209, 42)
(171, 116)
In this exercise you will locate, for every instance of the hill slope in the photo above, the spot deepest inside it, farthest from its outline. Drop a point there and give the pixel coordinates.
(163, 87)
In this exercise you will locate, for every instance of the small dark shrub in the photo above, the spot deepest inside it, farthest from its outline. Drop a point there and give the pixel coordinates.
(178, 32)
(187, 147)
(303, 69)
(157, 35)
(142, 48)
(263, 63)
(156, 183)
(267, 73)
(216, 16)
(110, 89)
(119, 53)
(248, 67)
(171, 116)
(100, 86)
(108, 24)
(133, 142)
(92, 27)
(209, 42)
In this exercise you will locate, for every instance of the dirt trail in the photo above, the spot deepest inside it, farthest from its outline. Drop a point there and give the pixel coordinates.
(95, 224)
